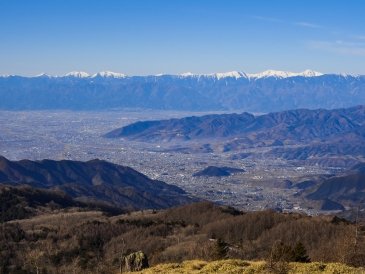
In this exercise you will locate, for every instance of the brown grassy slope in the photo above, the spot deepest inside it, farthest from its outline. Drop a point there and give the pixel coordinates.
(248, 267)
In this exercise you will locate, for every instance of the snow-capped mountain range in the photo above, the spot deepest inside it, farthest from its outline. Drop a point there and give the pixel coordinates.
(264, 74)
(82, 74)
(219, 75)
(267, 91)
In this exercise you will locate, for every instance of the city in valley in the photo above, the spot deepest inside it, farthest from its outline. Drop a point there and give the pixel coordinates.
(79, 135)
(182, 137)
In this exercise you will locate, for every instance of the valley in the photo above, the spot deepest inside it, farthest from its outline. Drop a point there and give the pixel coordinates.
(78, 135)
(182, 137)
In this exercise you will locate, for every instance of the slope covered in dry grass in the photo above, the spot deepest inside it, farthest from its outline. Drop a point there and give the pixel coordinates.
(249, 267)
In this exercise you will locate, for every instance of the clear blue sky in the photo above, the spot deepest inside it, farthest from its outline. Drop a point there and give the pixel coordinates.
(173, 36)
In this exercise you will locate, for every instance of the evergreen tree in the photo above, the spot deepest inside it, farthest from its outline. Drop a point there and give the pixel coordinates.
(220, 249)
(300, 253)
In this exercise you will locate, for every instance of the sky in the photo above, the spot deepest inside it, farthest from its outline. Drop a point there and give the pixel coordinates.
(148, 37)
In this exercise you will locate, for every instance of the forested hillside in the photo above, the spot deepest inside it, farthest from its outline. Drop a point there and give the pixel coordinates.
(82, 242)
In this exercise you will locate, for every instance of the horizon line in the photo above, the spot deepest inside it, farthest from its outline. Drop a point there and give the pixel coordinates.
(232, 74)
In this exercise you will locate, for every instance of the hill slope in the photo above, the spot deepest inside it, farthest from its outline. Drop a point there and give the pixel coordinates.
(84, 241)
(214, 171)
(348, 187)
(279, 127)
(325, 137)
(93, 180)
(25, 201)
(248, 267)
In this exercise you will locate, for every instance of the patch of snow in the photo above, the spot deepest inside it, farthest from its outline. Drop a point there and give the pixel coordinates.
(310, 73)
(284, 74)
(109, 74)
(78, 74)
(44, 75)
(187, 74)
(231, 74)
(219, 75)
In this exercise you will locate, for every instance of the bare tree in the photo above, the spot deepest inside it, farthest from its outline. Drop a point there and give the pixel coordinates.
(122, 256)
(34, 257)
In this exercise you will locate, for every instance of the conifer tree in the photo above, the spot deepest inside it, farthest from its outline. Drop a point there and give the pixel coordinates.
(300, 253)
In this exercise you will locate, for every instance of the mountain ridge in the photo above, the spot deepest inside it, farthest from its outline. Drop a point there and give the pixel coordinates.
(218, 75)
(94, 180)
(107, 91)
(299, 124)
(348, 187)
(325, 137)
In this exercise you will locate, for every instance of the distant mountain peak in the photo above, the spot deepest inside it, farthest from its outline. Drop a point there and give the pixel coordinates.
(264, 74)
(188, 74)
(44, 75)
(262, 92)
(78, 74)
(284, 74)
(311, 73)
(104, 74)
(218, 75)
(109, 74)
(230, 74)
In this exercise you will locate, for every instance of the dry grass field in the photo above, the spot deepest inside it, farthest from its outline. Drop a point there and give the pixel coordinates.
(249, 267)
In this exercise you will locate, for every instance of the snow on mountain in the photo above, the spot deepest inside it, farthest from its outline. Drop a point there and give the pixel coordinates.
(194, 92)
(347, 75)
(231, 74)
(264, 74)
(109, 74)
(44, 75)
(284, 74)
(272, 73)
(188, 74)
(219, 75)
(78, 74)
(310, 73)
(106, 74)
